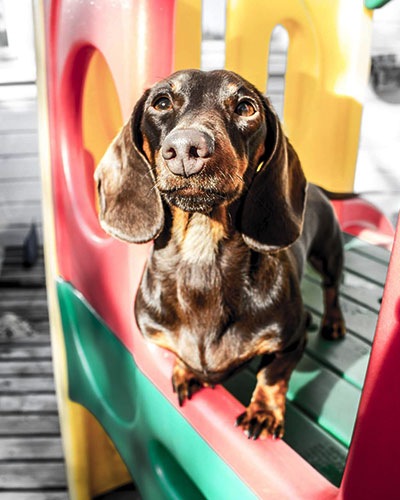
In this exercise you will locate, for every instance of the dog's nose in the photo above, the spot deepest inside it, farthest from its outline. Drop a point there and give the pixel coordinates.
(186, 150)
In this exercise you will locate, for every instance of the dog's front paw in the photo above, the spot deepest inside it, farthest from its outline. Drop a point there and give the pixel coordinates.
(184, 383)
(258, 421)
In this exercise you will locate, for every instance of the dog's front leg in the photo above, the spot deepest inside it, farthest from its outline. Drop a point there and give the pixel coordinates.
(264, 417)
(184, 382)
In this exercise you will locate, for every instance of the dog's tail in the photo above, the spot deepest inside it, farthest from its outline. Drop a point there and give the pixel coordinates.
(351, 195)
(339, 196)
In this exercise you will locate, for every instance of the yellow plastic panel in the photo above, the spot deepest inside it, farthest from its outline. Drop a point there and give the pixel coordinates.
(187, 34)
(327, 71)
(101, 112)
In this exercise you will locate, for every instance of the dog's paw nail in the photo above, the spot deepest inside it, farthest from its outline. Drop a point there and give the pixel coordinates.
(240, 419)
(252, 426)
(258, 431)
(277, 433)
(181, 395)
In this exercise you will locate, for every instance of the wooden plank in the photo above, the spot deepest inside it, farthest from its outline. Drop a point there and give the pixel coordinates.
(20, 212)
(34, 308)
(20, 190)
(28, 403)
(16, 144)
(29, 424)
(16, 235)
(15, 266)
(18, 327)
(33, 338)
(31, 352)
(18, 295)
(31, 475)
(26, 311)
(23, 302)
(19, 118)
(19, 168)
(42, 327)
(35, 447)
(26, 384)
(14, 253)
(20, 275)
(23, 368)
(32, 495)
(12, 96)
(13, 261)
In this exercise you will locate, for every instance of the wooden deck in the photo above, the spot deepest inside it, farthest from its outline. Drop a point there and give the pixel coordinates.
(31, 457)
(20, 190)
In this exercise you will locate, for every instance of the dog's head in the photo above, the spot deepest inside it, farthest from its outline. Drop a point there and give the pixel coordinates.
(199, 140)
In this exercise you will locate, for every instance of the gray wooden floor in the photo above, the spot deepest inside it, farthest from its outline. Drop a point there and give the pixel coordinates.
(20, 191)
(31, 457)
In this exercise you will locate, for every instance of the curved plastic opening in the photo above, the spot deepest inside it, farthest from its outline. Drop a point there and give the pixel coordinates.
(91, 119)
(101, 117)
(101, 111)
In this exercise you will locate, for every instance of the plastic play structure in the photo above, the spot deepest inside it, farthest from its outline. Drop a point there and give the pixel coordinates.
(119, 417)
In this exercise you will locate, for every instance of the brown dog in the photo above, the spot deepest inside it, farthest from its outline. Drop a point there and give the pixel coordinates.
(204, 169)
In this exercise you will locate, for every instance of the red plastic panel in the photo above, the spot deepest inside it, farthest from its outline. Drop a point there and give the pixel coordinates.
(360, 218)
(99, 266)
(373, 464)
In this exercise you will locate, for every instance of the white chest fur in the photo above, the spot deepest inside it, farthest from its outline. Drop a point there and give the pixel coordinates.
(199, 244)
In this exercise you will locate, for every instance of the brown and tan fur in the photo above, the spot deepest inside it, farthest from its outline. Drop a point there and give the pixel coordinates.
(204, 169)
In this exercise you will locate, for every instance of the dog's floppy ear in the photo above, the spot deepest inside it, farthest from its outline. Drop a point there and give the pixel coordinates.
(273, 208)
(130, 205)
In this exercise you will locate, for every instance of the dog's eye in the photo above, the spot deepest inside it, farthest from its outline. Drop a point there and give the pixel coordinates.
(245, 108)
(162, 104)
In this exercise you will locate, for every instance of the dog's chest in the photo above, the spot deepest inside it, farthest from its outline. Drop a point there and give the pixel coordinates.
(200, 290)
(198, 274)
(198, 238)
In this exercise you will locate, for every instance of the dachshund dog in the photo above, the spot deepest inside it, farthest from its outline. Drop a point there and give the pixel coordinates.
(204, 169)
